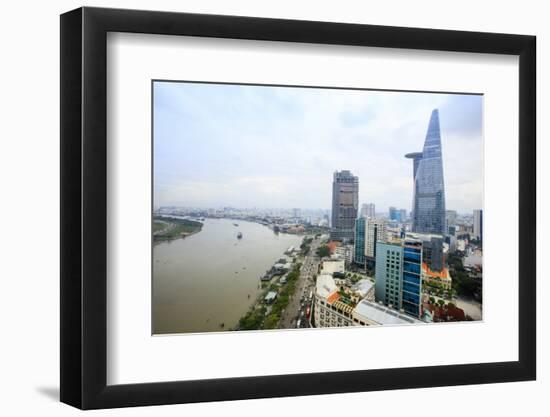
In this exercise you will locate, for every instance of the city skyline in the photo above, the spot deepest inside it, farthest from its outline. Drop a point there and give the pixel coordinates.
(278, 147)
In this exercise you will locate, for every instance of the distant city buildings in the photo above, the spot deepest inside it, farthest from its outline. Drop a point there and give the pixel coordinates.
(429, 190)
(450, 219)
(397, 215)
(368, 210)
(392, 213)
(345, 201)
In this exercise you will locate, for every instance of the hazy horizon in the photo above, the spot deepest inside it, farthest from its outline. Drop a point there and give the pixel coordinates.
(277, 148)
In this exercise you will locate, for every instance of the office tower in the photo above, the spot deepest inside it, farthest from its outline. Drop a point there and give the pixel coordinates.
(345, 201)
(429, 190)
(376, 231)
(296, 213)
(478, 225)
(367, 210)
(360, 234)
(402, 215)
(393, 213)
(398, 275)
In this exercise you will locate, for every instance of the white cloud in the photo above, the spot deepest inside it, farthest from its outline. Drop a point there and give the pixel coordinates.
(251, 146)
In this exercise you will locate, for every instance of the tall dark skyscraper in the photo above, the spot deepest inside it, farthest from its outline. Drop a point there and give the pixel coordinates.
(429, 189)
(345, 202)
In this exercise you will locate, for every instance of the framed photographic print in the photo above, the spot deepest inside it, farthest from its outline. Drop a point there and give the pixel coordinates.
(259, 207)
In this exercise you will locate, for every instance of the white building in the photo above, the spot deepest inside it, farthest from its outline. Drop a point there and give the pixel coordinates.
(344, 252)
(376, 230)
(331, 266)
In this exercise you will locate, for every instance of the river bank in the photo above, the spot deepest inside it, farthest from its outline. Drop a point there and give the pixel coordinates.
(170, 228)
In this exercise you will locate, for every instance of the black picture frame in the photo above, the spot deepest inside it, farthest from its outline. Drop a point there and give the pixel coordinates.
(84, 207)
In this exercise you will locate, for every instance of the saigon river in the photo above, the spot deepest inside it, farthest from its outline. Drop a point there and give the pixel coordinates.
(212, 277)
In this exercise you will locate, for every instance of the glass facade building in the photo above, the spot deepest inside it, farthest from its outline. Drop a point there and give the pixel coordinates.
(345, 204)
(398, 275)
(411, 297)
(360, 235)
(428, 212)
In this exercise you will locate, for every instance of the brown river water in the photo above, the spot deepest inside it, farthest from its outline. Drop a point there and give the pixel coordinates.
(205, 279)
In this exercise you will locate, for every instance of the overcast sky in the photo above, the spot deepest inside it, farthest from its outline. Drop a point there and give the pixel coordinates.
(277, 147)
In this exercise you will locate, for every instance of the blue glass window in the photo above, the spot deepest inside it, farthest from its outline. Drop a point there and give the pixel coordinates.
(407, 286)
(410, 267)
(408, 277)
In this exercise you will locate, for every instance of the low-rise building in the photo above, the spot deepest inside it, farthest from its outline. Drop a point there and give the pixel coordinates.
(336, 308)
(329, 310)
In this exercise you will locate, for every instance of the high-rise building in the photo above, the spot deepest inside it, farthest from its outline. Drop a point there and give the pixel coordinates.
(393, 213)
(428, 212)
(368, 210)
(478, 225)
(345, 201)
(398, 275)
(359, 241)
(296, 213)
(402, 215)
(376, 231)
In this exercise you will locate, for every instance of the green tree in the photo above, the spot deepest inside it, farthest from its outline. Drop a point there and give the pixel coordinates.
(323, 251)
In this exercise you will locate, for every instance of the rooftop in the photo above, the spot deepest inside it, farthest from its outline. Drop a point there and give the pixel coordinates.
(325, 285)
(271, 295)
(443, 274)
(363, 286)
(332, 265)
(382, 314)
